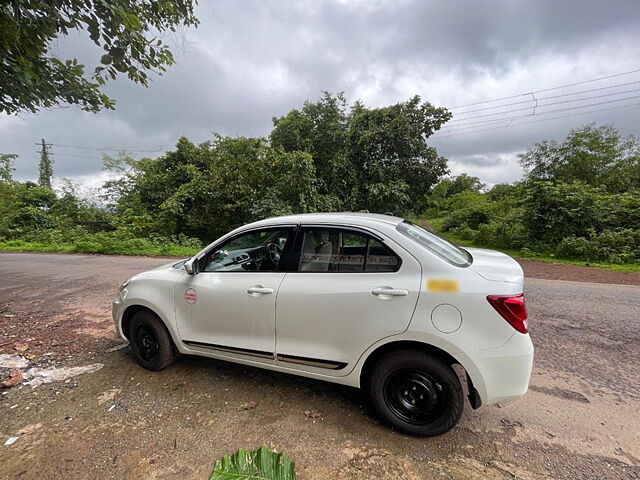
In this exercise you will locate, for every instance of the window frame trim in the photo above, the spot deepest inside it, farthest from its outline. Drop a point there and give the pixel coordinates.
(303, 227)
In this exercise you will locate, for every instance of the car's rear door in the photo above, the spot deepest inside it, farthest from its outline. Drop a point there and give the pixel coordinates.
(350, 288)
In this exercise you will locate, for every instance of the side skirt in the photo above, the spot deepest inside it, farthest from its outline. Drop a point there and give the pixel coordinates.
(312, 362)
(223, 348)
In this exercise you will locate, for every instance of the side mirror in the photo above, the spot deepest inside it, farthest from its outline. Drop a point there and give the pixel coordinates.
(191, 266)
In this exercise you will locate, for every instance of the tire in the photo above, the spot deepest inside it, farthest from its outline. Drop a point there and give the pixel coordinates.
(416, 393)
(150, 341)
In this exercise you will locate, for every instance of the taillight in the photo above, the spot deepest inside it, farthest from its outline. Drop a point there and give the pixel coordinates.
(512, 308)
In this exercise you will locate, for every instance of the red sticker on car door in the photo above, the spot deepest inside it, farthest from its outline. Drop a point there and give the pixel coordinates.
(190, 296)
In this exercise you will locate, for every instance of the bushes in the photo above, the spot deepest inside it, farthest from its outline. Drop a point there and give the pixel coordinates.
(467, 210)
(571, 220)
(553, 211)
(503, 233)
(621, 246)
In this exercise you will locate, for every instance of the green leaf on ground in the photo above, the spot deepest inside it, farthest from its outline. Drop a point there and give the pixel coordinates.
(260, 464)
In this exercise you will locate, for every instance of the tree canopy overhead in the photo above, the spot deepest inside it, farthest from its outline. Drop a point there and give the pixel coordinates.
(128, 31)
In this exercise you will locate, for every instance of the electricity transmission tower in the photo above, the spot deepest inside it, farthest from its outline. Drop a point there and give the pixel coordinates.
(46, 164)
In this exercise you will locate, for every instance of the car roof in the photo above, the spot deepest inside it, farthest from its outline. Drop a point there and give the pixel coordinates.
(337, 217)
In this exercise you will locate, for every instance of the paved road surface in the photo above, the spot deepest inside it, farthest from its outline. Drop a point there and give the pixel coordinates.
(580, 419)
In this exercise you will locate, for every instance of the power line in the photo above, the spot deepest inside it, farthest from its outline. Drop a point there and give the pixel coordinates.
(557, 110)
(141, 148)
(510, 124)
(542, 106)
(79, 156)
(547, 89)
(549, 98)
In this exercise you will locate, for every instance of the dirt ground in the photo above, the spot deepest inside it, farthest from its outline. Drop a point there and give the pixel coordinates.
(558, 271)
(580, 419)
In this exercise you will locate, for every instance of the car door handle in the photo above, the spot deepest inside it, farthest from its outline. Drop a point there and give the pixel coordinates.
(392, 292)
(259, 290)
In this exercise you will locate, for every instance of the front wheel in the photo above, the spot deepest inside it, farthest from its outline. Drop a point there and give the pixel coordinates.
(150, 341)
(416, 392)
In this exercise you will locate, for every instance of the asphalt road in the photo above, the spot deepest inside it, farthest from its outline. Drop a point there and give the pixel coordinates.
(580, 419)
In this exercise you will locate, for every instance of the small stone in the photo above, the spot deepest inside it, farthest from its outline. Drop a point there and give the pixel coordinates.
(15, 378)
(312, 414)
(247, 406)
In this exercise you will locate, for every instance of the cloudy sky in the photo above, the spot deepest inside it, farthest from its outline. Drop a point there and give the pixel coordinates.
(251, 60)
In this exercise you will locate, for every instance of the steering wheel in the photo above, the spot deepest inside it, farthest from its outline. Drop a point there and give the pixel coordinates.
(274, 252)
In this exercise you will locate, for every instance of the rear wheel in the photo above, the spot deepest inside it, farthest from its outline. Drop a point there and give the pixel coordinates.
(416, 392)
(150, 341)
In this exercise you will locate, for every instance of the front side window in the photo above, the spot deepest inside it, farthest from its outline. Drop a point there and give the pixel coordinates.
(436, 244)
(255, 251)
(336, 250)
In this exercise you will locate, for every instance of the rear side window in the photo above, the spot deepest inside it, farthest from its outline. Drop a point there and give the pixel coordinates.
(336, 250)
(432, 242)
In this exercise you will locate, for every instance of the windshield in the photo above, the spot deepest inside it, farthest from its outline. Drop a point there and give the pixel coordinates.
(436, 244)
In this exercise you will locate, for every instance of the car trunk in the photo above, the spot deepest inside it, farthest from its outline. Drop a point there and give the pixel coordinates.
(495, 266)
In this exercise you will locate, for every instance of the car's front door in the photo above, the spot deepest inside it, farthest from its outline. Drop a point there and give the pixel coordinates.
(351, 288)
(229, 305)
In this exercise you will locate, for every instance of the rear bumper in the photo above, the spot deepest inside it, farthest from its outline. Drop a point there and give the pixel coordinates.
(504, 371)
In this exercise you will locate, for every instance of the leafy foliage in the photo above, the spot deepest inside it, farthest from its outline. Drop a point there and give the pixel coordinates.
(45, 167)
(376, 159)
(596, 156)
(328, 156)
(32, 77)
(260, 464)
(205, 190)
(324, 157)
(559, 209)
(6, 166)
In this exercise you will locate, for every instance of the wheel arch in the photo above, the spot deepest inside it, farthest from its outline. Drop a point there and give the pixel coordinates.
(131, 310)
(372, 358)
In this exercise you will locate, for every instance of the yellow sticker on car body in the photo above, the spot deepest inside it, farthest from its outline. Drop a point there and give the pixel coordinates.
(442, 285)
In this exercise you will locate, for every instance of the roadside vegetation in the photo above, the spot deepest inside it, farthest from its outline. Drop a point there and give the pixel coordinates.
(579, 201)
(326, 156)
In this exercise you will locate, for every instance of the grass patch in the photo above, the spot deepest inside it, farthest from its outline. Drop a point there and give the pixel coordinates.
(134, 246)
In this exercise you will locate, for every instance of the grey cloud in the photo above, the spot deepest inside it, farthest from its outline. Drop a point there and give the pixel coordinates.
(253, 60)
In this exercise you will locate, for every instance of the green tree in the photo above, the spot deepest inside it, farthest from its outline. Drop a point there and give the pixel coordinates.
(127, 31)
(376, 159)
(320, 129)
(596, 156)
(7, 191)
(447, 187)
(45, 167)
(205, 190)
(6, 167)
(30, 209)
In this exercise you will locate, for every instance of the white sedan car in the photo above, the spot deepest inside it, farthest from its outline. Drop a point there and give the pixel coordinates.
(365, 300)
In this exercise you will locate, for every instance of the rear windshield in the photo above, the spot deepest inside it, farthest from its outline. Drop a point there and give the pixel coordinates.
(432, 242)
